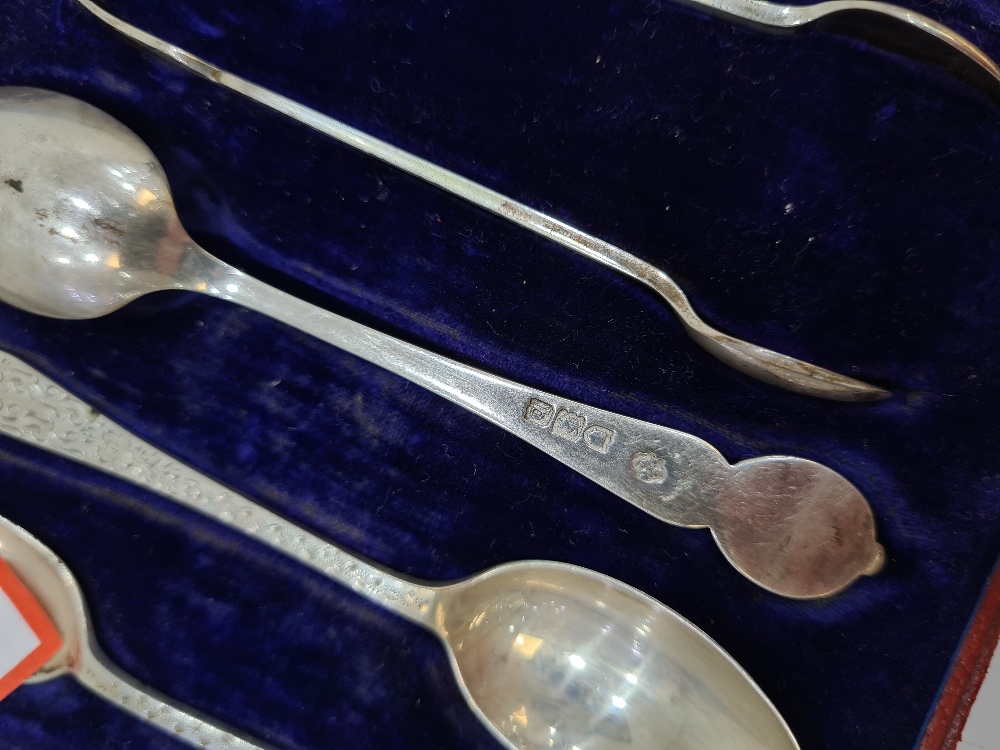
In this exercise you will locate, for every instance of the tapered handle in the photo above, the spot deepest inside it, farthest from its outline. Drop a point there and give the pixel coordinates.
(631, 458)
(793, 526)
(181, 723)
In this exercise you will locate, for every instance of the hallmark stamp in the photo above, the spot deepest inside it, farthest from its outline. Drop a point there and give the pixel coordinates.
(649, 468)
(599, 438)
(538, 412)
(569, 425)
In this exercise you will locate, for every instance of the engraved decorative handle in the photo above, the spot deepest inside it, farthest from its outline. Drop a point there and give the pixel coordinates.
(791, 525)
(185, 726)
(35, 410)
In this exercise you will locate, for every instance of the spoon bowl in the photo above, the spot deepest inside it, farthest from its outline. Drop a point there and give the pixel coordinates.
(101, 229)
(556, 656)
(54, 587)
(548, 655)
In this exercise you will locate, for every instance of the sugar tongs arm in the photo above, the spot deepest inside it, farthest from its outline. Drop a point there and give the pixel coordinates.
(756, 361)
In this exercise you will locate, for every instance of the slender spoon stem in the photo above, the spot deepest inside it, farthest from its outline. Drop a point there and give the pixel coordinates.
(597, 443)
(671, 475)
(182, 724)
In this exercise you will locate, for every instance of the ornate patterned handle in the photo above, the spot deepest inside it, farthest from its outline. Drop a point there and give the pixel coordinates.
(35, 410)
(185, 726)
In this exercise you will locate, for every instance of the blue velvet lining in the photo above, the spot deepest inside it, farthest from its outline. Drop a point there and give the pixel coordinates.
(811, 193)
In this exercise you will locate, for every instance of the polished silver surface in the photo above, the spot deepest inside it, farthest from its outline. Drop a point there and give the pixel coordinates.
(902, 21)
(53, 585)
(89, 224)
(547, 655)
(758, 362)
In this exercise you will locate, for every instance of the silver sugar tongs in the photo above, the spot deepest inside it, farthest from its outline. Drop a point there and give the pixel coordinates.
(758, 362)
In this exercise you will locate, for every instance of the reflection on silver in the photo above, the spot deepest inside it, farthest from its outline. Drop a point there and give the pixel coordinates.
(547, 655)
(562, 658)
(53, 585)
(758, 362)
(884, 24)
(793, 526)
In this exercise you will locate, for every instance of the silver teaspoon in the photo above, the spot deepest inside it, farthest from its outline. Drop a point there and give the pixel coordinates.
(88, 224)
(756, 361)
(547, 655)
(53, 585)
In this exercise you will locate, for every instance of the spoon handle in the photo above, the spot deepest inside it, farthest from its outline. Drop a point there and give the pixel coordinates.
(120, 689)
(605, 447)
(793, 526)
(37, 411)
(757, 362)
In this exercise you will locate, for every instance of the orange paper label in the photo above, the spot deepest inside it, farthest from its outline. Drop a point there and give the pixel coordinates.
(28, 638)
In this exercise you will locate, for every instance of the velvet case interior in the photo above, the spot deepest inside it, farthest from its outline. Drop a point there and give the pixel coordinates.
(812, 193)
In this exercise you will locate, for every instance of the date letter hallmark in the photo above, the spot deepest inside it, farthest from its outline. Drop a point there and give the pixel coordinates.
(569, 425)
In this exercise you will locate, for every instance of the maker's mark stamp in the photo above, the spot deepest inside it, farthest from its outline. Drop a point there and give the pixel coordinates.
(648, 467)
